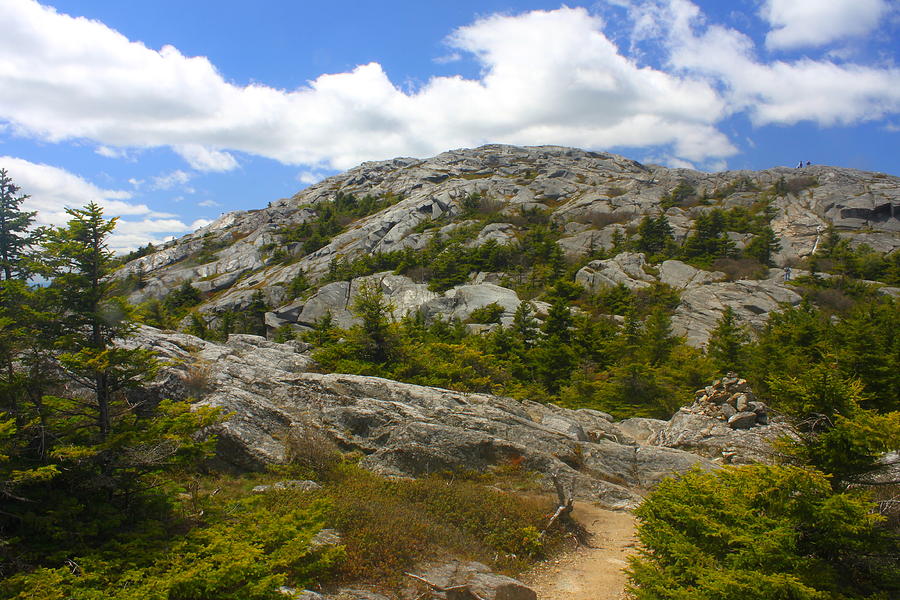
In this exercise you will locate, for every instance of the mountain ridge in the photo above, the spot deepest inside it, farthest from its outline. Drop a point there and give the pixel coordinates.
(588, 196)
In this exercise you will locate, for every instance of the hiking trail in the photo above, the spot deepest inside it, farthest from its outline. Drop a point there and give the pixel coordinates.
(593, 572)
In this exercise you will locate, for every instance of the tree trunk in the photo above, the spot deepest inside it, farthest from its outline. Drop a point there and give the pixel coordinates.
(103, 415)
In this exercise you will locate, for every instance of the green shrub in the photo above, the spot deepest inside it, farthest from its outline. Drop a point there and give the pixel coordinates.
(263, 545)
(757, 533)
(490, 313)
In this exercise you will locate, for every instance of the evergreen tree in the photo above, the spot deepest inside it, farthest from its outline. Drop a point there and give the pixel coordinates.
(558, 324)
(727, 342)
(525, 324)
(654, 235)
(92, 321)
(763, 246)
(760, 532)
(374, 310)
(554, 356)
(657, 340)
(17, 237)
(253, 318)
(709, 239)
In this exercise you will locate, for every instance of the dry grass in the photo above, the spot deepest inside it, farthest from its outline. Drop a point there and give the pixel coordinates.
(198, 379)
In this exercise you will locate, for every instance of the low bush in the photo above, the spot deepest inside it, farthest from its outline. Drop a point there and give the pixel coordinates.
(489, 313)
(760, 532)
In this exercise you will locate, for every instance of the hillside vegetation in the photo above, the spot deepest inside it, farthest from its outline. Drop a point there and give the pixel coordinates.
(106, 494)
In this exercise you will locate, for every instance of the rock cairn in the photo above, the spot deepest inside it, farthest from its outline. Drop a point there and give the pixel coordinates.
(730, 399)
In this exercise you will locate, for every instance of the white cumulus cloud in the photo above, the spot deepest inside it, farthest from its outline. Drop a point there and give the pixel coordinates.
(168, 181)
(548, 77)
(779, 92)
(310, 177)
(799, 23)
(206, 159)
(52, 190)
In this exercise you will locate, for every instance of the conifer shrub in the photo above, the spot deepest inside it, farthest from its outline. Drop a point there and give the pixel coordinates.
(490, 313)
(760, 532)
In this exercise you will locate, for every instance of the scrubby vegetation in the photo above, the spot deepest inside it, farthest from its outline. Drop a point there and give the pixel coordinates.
(106, 496)
(761, 532)
(807, 528)
(331, 216)
(580, 360)
(102, 497)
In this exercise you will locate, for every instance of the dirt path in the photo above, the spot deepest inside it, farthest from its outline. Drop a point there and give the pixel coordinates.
(594, 572)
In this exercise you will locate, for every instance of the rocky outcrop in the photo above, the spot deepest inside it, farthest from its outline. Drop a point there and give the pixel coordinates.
(409, 430)
(752, 301)
(628, 268)
(591, 195)
(704, 294)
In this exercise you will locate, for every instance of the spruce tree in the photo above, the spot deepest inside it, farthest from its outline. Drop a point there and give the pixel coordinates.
(91, 320)
(654, 235)
(727, 341)
(374, 310)
(524, 324)
(657, 339)
(763, 246)
(17, 237)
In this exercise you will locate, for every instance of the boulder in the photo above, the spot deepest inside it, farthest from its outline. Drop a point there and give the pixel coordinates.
(641, 429)
(679, 275)
(701, 306)
(713, 438)
(627, 268)
(470, 580)
(325, 537)
(742, 420)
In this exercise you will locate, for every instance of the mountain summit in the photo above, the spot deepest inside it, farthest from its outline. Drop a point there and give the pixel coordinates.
(404, 215)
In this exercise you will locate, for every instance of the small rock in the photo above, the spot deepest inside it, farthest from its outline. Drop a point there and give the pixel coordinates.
(727, 410)
(358, 594)
(294, 594)
(758, 407)
(740, 402)
(292, 484)
(742, 420)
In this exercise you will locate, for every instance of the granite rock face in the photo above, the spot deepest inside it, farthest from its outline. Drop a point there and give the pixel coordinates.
(409, 430)
(590, 195)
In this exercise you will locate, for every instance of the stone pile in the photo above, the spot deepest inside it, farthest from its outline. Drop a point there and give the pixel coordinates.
(730, 399)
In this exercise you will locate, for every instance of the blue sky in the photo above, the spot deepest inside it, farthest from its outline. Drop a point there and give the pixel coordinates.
(170, 113)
